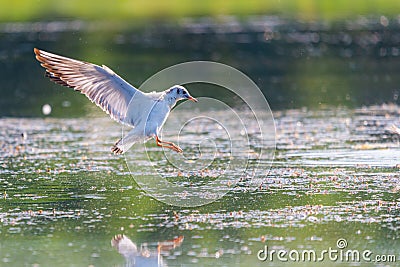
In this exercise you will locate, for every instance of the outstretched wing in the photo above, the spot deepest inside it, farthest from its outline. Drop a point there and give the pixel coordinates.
(100, 84)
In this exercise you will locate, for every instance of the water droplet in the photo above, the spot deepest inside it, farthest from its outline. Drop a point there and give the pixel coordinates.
(66, 104)
(384, 21)
(46, 109)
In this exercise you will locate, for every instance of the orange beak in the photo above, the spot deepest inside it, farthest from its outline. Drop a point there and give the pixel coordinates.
(191, 98)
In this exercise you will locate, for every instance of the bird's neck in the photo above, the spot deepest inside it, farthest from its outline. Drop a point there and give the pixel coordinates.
(171, 100)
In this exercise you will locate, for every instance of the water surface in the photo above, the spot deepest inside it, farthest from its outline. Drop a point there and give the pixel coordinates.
(333, 88)
(64, 196)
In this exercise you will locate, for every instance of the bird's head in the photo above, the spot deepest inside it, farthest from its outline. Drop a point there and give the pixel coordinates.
(179, 92)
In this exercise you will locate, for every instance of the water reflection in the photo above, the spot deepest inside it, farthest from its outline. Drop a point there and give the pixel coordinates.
(146, 255)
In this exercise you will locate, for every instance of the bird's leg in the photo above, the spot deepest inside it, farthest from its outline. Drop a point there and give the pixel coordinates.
(169, 244)
(169, 145)
(173, 147)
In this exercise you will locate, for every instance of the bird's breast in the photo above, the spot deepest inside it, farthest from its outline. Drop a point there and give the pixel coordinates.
(156, 119)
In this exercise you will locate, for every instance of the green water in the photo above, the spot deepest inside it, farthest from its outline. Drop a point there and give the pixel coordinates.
(335, 175)
(66, 196)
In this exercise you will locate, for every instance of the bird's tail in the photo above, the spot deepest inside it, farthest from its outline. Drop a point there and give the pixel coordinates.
(122, 145)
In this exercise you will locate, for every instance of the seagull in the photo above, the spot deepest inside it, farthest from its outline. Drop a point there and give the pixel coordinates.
(146, 113)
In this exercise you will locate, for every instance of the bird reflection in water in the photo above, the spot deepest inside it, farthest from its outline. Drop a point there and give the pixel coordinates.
(143, 256)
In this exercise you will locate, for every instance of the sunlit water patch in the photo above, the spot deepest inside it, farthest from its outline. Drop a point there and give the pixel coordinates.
(335, 175)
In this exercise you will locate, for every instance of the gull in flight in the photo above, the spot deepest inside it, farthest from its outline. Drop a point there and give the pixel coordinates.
(146, 113)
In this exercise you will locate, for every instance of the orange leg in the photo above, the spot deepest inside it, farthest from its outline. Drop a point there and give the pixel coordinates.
(169, 145)
(169, 244)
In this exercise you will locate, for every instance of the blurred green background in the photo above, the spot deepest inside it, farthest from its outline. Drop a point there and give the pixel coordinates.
(26, 10)
(300, 53)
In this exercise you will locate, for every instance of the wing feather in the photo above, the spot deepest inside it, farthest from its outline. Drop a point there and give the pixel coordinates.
(99, 83)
